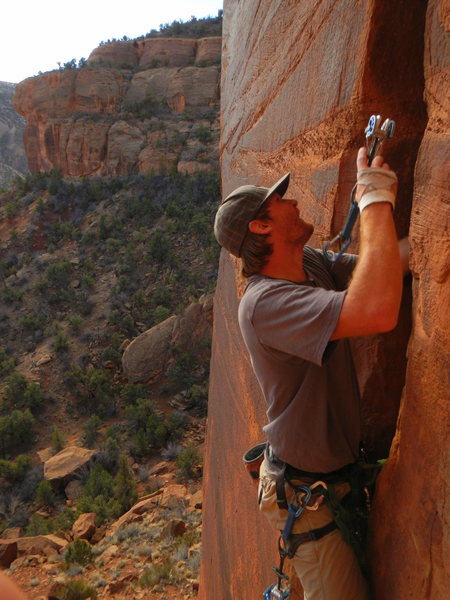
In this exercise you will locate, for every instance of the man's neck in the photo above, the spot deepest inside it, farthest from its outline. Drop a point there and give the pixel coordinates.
(286, 263)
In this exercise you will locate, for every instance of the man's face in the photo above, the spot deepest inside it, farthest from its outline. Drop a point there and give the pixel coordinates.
(286, 221)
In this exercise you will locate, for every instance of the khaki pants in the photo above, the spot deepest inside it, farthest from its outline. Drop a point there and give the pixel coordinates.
(327, 568)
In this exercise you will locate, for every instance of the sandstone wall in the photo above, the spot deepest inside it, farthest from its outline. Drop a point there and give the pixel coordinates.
(134, 108)
(299, 82)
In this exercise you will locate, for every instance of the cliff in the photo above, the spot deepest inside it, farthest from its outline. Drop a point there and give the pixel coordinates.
(13, 161)
(137, 106)
(298, 85)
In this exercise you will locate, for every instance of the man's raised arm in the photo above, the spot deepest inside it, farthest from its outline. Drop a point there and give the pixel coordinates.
(373, 297)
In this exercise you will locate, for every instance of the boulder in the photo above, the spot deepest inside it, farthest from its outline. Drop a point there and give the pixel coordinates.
(40, 544)
(8, 552)
(74, 489)
(149, 354)
(65, 465)
(136, 512)
(11, 532)
(84, 526)
(174, 496)
(173, 528)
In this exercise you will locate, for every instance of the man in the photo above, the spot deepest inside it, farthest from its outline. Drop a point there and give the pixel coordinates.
(296, 314)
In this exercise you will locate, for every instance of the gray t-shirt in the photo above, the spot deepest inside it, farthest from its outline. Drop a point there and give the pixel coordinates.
(309, 382)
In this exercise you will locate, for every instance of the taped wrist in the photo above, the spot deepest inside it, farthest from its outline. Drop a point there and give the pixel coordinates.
(379, 183)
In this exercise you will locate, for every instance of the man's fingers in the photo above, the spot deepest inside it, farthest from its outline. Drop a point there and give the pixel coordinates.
(361, 161)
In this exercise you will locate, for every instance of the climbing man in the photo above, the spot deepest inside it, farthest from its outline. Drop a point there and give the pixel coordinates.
(296, 316)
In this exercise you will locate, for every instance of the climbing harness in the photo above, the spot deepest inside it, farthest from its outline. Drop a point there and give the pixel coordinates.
(376, 132)
(350, 515)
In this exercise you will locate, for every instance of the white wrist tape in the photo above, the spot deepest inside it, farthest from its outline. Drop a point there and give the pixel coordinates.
(379, 183)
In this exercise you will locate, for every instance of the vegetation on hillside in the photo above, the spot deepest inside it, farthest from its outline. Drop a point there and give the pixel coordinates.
(89, 264)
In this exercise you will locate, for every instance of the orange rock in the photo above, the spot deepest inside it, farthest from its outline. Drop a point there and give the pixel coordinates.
(298, 86)
(84, 526)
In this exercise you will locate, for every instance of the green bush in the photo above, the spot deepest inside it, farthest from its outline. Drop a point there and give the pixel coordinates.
(57, 440)
(15, 430)
(60, 342)
(187, 461)
(77, 589)
(78, 552)
(93, 389)
(14, 470)
(44, 495)
(7, 363)
(155, 573)
(19, 392)
(99, 496)
(90, 430)
(125, 490)
(32, 322)
(203, 134)
(181, 372)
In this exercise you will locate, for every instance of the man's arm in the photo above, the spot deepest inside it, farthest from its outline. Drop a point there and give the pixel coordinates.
(372, 302)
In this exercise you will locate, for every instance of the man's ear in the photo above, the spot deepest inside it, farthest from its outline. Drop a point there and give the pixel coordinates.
(260, 227)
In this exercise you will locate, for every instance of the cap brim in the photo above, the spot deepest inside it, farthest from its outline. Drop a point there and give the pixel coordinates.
(280, 187)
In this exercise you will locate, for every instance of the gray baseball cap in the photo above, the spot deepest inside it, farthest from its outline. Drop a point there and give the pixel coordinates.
(239, 208)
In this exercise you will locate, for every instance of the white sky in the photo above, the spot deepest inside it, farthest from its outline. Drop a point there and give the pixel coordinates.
(37, 34)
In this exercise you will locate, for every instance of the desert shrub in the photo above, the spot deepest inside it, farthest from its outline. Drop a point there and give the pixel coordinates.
(160, 313)
(131, 392)
(60, 342)
(44, 494)
(78, 552)
(93, 389)
(181, 373)
(57, 440)
(21, 393)
(187, 461)
(58, 273)
(155, 573)
(203, 134)
(15, 430)
(125, 490)
(90, 430)
(37, 525)
(77, 589)
(160, 248)
(14, 470)
(98, 495)
(7, 363)
(32, 322)
(75, 323)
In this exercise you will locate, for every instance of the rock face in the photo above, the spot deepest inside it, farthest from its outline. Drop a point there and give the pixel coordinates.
(134, 108)
(13, 161)
(298, 85)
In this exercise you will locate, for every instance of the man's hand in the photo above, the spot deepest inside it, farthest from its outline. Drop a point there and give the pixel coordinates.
(377, 183)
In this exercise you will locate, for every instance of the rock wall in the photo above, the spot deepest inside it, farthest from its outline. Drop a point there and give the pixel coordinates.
(299, 82)
(136, 107)
(13, 161)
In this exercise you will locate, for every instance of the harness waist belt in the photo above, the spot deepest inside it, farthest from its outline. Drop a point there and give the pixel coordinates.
(293, 473)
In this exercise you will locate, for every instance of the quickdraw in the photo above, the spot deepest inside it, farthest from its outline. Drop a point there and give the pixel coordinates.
(375, 133)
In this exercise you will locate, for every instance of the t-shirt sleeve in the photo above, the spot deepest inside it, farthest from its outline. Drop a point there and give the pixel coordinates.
(297, 320)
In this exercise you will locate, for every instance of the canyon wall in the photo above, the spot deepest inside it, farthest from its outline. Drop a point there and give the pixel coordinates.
(299, 81)
(135, 107)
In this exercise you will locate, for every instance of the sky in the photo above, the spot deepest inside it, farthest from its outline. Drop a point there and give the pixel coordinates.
(36, 35)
